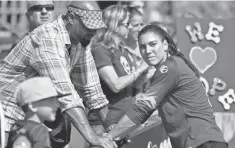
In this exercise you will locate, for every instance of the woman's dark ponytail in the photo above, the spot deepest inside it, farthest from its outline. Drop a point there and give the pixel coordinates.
(173, 51)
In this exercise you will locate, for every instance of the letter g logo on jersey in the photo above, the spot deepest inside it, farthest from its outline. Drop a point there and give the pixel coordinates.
(163, 69)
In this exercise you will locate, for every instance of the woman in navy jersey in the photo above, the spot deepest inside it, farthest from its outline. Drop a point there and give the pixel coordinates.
(177, 93)
(116, 71)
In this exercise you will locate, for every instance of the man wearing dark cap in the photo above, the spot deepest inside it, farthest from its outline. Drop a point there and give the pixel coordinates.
(57, 50)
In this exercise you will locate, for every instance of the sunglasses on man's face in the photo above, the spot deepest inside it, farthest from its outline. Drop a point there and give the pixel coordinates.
(39, 8)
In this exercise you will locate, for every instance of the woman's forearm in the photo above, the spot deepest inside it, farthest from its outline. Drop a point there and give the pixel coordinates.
(116, 83)
(102, 113)
(122, 82)
(123, 128)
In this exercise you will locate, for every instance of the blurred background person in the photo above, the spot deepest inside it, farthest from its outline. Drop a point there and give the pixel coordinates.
(116, 71)
(38, 13)
(136, 22)
(139, 5)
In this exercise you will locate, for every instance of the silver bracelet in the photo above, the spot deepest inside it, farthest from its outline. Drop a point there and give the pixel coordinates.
(108, 129)
(136, 74)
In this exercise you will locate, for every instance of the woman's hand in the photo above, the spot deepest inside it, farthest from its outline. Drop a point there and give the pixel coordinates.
(143, 67)
(144, 77)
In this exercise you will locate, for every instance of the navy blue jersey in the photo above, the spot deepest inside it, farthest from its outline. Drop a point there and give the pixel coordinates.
(184, 107)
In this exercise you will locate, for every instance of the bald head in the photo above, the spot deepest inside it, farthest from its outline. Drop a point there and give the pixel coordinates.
(87, 5)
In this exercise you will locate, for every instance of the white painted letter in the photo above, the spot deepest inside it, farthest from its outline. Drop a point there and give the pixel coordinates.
(194, 32)
(217, 84)
(227, 99)
(213, 32)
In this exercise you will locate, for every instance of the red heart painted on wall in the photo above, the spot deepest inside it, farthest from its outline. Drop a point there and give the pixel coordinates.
(203, 59)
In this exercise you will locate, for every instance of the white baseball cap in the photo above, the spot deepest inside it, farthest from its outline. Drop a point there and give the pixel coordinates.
(36, 89)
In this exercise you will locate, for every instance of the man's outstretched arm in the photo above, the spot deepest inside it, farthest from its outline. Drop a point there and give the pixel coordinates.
(86, 80)
(78, 119)
(47, 61)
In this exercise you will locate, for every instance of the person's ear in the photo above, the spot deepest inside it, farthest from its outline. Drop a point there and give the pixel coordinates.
(32, 108)
(71, 18)
(117, 29)
(165, 45)
(27, 16)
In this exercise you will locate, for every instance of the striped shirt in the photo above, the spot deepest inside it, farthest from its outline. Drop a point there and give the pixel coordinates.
(44, 52)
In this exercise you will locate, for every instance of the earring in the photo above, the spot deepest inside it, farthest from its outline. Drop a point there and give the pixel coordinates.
(70, 20)
(34, 110)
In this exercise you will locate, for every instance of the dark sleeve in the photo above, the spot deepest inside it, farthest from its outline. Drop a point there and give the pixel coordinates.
(101, 56)
(40, 137)
(11, 138)
(163, 82)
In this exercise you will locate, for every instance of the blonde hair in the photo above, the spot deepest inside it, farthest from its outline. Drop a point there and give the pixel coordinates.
(113, 16)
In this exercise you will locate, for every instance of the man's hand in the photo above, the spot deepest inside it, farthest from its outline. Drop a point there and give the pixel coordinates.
(103, 142)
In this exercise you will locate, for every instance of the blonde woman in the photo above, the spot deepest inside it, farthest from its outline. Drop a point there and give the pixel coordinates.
(116, 71)
(137, 23)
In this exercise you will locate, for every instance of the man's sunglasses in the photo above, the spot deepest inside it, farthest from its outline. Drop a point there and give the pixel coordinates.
(39, 8)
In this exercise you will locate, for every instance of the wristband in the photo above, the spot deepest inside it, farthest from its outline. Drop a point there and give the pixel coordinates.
(110, 127)
(136, 74)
